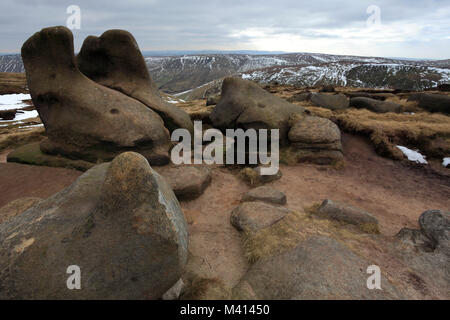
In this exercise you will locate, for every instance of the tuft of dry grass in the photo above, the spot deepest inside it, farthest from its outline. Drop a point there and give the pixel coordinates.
(197, 110)
(250, 176)
(430, 132)
(206, 289)
(297, 227)
(288, 156)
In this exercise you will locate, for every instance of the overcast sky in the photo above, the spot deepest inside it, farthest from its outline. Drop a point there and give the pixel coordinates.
(406, 28)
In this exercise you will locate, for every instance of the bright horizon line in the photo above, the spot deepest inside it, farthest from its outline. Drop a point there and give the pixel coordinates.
(256, 52)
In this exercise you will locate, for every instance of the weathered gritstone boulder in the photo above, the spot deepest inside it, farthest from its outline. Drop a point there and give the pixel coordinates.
(426, 251)
(114, 60)
(330, 101)
(435, 224)
(119, 222)
(348, 214)
(253, 216)
(187, 182)
(317, 140)
(375, 105)
(83, 119)
(318, 268)
(415, 238)
(432, 102)
(265, 194)
(434, 232)
(245, 105)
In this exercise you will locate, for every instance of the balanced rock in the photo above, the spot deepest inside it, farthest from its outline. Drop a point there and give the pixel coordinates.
(120, 223)
(265, 194)
(253, 216)
(330, 101)
(432, 102)
(85, 120)
(318, 268)
(114, 60)
(375, 105)
(245, 105)
(348, 214)
(317, 140)
(187, 182)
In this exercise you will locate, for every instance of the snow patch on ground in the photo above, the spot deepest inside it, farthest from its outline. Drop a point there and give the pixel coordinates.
(446, 162)
(413, 155)
(13, 101)
(16, 102)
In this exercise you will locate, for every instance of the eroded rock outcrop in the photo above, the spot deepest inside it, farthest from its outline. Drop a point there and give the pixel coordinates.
(253, 216)
(187, 182)
(245, 105)
(432, 102)
(119, 222)
(348, 214)
(317, 140)
(265, 194)
(85, 120)
(330, 101)
(433, 234)
(114, 60)
(318, 268)
(375, 105)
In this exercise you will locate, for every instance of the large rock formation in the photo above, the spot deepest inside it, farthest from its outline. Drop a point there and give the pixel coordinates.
(119, 222)
(432, 102)
(265, 194)
(348, 214)
(244, 104)
(253, 216)
(83, 119)
(426, 250)
(187, 182)
(435, 224)
(375, 105)
(330, 101)
(114, 60)
(318, 268)
(317, 140)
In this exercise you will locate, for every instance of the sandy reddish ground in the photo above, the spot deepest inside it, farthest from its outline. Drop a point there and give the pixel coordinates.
(395, 192)
(19, 180)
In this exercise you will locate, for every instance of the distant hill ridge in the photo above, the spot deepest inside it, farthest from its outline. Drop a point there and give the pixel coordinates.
(181, 71)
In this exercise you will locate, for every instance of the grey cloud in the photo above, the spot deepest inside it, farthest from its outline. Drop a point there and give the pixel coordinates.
(195, 24)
